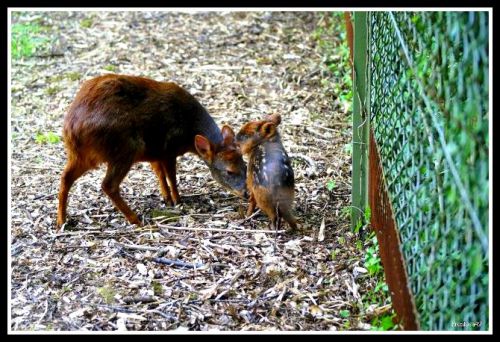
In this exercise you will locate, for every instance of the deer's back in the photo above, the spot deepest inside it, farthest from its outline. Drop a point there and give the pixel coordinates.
(114, 115)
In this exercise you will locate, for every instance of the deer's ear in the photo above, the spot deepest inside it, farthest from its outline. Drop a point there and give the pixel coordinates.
(204, 148)
(275, 119)
(227, 135)
(267, 130)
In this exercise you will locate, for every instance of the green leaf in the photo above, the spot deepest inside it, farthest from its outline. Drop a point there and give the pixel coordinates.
(344, 313)
(333, 254)
(330, 185)
(24, 40)
(386, 323)
(359, 245)
(358, 226)
(48, 137)
(348, 148)
(368, 214)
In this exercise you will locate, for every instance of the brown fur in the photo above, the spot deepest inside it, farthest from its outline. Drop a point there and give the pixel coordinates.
(273, 189)
(121, 120)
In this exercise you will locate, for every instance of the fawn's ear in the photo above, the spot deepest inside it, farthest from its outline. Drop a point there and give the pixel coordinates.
(204, 148)
(267, 130)
(274, 118)
(227, 135)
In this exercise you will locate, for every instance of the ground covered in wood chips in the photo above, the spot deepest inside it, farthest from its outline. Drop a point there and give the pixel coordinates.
(230, 273)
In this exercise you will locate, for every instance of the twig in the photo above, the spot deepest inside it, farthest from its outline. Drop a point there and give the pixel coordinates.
(56, 235)
(45, 312)
(115, 308)
(139, 299)
(162, 219)
(140, 248)
(312, 170)
(217, 67)
(337, 123)
(318, 135)
(164, 315)
(171, 262)
(382, 310)
(44, 196)
(221, 229)
(178, 279)
(34, 167)
(249, 217)
(195, 195)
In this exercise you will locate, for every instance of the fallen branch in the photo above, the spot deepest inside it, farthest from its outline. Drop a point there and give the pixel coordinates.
(114, 308)
(217, 67)
(312, 170)
(171, 262)
(44, 196)
(139, 299)
(161, 219)
(79, 233)
(140, 248)
(249, 217)
(164, 315)
(221, 229)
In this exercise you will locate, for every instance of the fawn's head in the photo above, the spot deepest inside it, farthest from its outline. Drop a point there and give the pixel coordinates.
(224, 161)
(254, 133)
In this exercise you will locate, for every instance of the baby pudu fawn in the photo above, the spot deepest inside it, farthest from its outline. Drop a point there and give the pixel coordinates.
(120, 120)
(270, 178)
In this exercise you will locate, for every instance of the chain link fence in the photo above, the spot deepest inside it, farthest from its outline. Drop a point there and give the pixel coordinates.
(428, 104)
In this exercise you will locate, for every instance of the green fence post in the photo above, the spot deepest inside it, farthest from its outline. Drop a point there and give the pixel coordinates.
(360, 118)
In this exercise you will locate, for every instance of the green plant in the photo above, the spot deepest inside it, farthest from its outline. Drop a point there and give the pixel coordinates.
(110, 67)
(384, 323)
(341, 240)
(49, 137)
(344, 313)
(372, 259)
(74, 76)
(348, 148)
(332, 44)
(87, 22)
(381, 287)
(365, 221)
(359, 245)
(379, 294)
(55, 78)
(53, 90)
(333, 253)
(330, 185)
(107, 293)
(157, 288)
(25, 39)
(346, 212)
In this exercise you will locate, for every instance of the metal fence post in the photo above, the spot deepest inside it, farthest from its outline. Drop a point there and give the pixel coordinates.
(360, 118)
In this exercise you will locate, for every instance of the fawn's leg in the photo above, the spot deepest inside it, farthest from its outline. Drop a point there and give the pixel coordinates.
(267, 205)
(169, 167)
(161, 174)
(111, 186)
(71, 173)
(251, 204)
(285, 208)
(290, 219)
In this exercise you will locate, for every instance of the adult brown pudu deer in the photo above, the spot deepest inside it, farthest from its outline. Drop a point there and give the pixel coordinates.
(120, 120)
